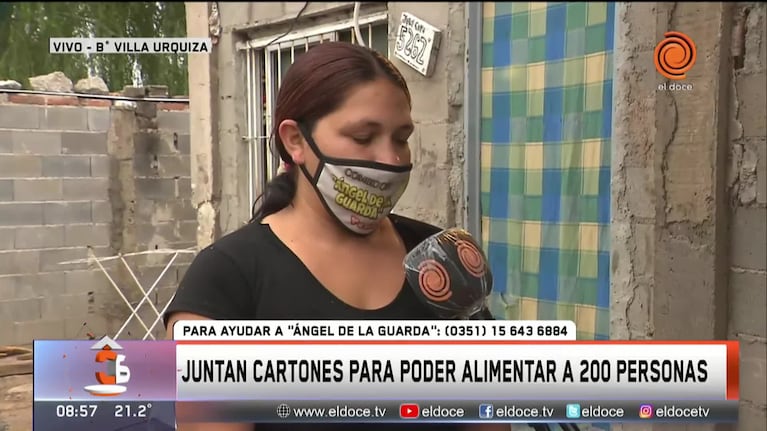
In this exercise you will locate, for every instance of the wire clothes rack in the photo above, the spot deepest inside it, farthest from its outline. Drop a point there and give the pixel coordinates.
(134, 309)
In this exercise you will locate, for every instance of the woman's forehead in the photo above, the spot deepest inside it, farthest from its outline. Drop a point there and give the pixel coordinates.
(374, 104)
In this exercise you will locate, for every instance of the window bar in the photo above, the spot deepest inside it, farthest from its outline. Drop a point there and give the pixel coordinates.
(274, 155)
(266, 161)
(279, 68)
(370, 36)
(250, 114)
(258, 119)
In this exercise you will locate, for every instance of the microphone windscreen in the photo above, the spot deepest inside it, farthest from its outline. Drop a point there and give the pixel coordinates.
(449, 272)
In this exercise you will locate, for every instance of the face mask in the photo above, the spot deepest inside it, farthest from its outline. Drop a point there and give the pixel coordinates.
(357, 193)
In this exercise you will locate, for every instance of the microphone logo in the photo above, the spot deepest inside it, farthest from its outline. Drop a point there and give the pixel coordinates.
(471, 258)
(434, 281)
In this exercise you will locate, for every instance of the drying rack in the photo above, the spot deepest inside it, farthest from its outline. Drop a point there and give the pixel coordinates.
(99, 261)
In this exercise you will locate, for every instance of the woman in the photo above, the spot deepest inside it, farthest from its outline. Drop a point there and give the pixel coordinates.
(322, 244)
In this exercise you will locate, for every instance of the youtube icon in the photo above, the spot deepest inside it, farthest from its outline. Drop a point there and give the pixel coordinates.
(409, 411)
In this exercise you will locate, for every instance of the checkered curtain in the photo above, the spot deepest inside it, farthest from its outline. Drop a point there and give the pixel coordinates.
(545, 160)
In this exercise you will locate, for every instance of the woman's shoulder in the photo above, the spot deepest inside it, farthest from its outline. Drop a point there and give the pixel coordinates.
(220, 282)
(241, 242)
(411, 230)
(235, 252)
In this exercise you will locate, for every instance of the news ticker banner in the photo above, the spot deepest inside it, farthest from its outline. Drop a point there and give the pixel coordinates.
(129, 45)
(251, 370)
(101, 415)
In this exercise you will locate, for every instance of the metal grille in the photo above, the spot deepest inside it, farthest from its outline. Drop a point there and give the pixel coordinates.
(266, 62)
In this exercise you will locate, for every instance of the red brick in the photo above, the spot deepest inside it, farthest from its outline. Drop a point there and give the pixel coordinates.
(62, 101)
(26, 99)
(98, 103)
(173, 106)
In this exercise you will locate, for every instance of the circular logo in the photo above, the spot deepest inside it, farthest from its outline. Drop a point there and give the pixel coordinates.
(675, 55)
(434, 281)
(471, 258)
(283, 411)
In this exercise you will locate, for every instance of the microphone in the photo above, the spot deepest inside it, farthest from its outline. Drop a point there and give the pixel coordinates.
(448, 272)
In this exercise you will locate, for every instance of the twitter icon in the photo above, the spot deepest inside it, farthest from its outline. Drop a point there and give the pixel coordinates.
(573, 411)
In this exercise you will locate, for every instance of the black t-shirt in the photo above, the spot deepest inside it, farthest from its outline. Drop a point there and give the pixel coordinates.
(251, 274)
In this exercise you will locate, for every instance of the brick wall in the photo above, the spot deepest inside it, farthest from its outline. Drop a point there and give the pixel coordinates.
(78, 172)
(748, 212)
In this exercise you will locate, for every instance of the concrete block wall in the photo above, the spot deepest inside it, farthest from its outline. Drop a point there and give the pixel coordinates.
(689, 213)
(59, 195)
(747, 182)
(154, 190)
(436, 190)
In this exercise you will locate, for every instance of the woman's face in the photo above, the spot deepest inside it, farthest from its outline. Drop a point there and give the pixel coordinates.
(373, 124)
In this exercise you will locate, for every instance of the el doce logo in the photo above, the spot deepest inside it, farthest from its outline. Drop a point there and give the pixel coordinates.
(675, 55)
(110, 382)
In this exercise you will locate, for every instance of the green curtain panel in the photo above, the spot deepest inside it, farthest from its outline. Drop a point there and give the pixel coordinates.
(545, 160)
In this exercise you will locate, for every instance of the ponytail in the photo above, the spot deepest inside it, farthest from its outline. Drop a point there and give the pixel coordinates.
(279, 194)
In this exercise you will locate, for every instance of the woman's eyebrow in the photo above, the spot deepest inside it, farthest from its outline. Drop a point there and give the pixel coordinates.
(372, 124)
(361, 124)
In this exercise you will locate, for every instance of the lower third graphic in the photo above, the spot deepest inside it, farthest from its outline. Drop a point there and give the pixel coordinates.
(486, 411)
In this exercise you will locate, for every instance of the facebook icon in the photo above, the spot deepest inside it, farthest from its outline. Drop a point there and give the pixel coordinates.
(485, 411)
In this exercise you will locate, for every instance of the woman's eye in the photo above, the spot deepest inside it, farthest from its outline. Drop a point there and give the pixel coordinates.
(362, 139)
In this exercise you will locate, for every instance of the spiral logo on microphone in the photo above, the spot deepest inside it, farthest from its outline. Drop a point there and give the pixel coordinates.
(434, 281)
(471, 258)
(675, 55)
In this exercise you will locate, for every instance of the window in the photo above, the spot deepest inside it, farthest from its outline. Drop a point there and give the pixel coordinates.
(266, 65)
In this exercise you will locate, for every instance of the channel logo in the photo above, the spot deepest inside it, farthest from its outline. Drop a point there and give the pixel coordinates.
(573, 411)
(675, 55)
(112, 381)
(486, 411)
(645, 411)
(409, 411)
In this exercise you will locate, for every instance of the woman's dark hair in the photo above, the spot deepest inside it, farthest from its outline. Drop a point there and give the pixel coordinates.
(315, 85)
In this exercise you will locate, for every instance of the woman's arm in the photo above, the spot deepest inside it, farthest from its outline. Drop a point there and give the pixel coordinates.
(201, 426)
